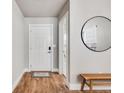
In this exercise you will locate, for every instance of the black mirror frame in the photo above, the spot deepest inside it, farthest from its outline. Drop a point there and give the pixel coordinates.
(83, 32)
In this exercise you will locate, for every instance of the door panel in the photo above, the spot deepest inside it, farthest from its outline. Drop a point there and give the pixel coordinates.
(40, 55)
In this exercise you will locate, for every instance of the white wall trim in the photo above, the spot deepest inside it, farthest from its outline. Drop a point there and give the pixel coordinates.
(55, 70)
(78, 87)
(19, 78)
(61, 64)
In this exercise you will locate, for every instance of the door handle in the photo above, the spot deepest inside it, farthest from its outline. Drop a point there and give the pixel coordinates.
(49, 51)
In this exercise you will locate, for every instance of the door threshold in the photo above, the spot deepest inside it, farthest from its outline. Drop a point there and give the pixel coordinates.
(40, 74)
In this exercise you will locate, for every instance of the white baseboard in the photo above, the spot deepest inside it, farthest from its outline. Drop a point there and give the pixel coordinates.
(78, 87)
(19, 78)
(55, 70)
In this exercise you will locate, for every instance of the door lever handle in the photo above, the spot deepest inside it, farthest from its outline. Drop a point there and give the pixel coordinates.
(49, 51)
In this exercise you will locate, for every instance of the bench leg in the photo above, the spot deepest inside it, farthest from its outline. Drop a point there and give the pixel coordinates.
(82, 84)
(91, 88)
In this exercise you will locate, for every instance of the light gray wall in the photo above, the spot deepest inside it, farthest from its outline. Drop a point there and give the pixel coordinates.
(18, 64)
(41, 20)
(82, 60)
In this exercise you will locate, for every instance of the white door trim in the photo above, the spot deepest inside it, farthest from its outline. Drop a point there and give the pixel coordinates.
(60, 54)
(61, 62)
(38, 25)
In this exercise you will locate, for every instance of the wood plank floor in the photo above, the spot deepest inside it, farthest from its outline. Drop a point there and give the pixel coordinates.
(54, 84)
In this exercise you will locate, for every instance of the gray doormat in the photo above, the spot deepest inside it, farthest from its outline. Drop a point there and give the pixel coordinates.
(40, 74)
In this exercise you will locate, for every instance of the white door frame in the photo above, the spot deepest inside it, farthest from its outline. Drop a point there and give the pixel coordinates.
(60, 51)
(38, 25)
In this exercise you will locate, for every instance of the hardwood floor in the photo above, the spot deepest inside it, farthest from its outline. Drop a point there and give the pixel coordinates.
(95, 91)
(53, 84)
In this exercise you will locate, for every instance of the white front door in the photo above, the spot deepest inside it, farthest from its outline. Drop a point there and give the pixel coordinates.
(40, 47)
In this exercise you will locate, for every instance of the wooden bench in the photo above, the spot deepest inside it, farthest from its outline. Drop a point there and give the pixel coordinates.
(92, 79)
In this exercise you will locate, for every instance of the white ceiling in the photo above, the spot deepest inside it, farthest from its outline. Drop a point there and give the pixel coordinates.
(40, 8)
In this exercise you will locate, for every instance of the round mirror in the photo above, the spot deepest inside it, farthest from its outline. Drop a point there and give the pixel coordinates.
(96, 33)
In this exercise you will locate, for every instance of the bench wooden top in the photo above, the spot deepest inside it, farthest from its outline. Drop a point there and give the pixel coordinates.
(96, 76)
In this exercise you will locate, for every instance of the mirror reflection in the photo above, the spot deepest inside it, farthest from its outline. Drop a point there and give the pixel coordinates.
(96, 33)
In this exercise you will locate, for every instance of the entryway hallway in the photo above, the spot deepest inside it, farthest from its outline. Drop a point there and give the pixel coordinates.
(53, 84)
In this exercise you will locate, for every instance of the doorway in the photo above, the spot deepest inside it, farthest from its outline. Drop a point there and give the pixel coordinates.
(40, 47)
(63, 46)
(36, 39)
